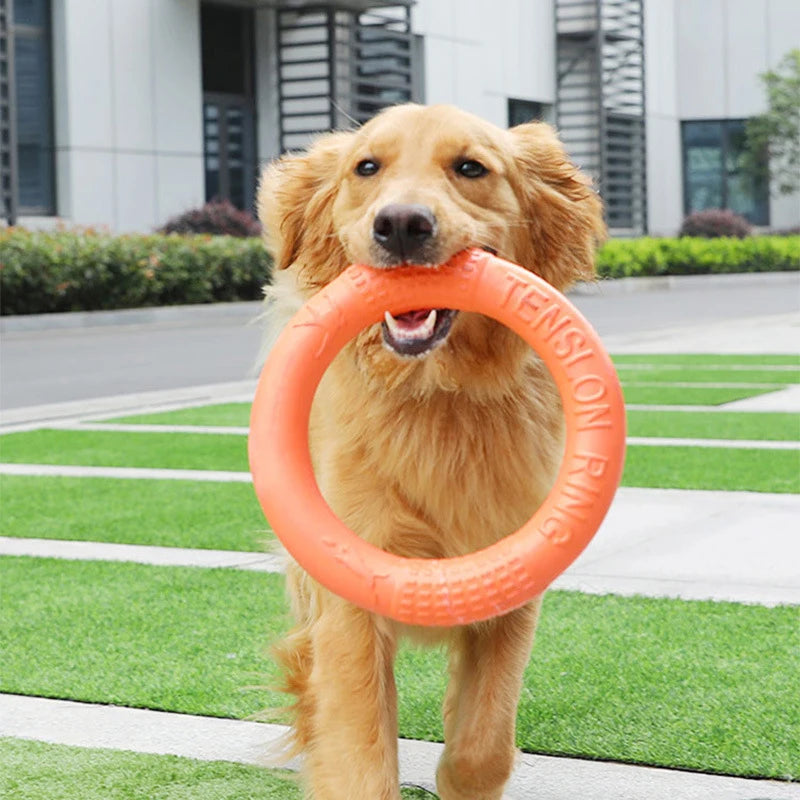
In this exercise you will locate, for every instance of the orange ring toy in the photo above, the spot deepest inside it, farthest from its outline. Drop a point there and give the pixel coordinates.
(489, 582)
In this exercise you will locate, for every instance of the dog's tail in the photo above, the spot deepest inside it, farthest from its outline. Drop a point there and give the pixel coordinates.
(294, 655)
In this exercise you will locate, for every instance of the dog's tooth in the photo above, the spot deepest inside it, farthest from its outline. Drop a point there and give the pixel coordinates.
(392, 324)
(429, 325)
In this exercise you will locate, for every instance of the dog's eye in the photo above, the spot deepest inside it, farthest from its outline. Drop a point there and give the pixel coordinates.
(471, 169)
(367, 167)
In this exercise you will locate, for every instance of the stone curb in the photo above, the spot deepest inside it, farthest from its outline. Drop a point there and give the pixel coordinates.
(181, 315)
(175, 315)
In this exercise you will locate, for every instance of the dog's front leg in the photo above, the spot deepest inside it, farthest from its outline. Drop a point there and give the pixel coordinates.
(487, 662)
(353, 755)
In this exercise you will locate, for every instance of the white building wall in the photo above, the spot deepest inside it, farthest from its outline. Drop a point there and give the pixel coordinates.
(722, 48)
(128, 93)
(477, 55)
(128, 111)
(664, 184)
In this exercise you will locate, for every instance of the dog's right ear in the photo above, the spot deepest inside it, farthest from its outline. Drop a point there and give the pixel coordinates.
(295, 198)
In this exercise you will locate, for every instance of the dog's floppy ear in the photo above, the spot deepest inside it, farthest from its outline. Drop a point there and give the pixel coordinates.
(295, 196)
(563, 213)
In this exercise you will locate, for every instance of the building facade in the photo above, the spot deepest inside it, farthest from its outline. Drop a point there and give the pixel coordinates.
(123, 113)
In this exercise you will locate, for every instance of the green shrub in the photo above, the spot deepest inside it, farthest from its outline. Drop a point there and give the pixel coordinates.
(622, 258)
(85, 271)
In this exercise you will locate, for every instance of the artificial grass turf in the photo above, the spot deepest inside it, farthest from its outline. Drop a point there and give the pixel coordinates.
(176, 639)
(39, 771)
(673, 374)
(707, 686)
(722, 469)
(238, 414)
(113, 449)
(217, 516)
(665, 467)
(704, 359)
(687, 395)
(714, 425)
(234, 414)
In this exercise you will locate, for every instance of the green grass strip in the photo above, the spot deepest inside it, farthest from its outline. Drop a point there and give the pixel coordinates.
(39, 771)
(666, 467)
(629, 373)
(216, 516)
(722, 469)
(686, 395)
(234, 414)
(691, 359)
(714, 425)
(110, 449)
(708, 686)
(174, 639)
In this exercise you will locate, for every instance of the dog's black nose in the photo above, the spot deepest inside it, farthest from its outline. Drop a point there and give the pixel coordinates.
(404, 229)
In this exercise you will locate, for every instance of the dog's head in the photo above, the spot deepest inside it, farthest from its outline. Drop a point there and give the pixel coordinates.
(417, 185)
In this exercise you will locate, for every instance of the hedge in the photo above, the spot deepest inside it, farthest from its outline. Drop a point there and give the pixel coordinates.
(44, 272)
(87, 270)
(624, 258)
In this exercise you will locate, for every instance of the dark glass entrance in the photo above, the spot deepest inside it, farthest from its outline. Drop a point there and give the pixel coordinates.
(228, 104)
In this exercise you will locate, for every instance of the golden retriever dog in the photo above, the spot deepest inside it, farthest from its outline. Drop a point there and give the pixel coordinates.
(434, 433)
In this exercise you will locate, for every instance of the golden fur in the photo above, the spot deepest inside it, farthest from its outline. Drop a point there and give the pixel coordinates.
(435, 456)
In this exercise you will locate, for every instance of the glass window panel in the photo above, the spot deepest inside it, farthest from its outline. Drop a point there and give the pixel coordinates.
(212, 182)
(35, 178)
(702, 133)
(747, 195)
(225, 59)
(714, 175)
(33, 94)
(237, 184)
(520, 111)
(30, 12)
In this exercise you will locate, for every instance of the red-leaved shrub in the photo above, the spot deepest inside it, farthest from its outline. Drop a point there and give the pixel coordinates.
(218, 217)
(715, 222)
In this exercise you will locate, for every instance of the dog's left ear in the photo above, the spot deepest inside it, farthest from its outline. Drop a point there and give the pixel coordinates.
(295, 198)
(563, 213)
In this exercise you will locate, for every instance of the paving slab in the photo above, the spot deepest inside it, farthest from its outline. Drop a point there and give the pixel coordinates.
(209, 739)
(787, 399)
(37, 416)
(692, 545)
(775, 334)
(125, 473)
(152, 555)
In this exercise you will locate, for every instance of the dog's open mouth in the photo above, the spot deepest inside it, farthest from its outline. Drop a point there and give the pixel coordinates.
(417, 332)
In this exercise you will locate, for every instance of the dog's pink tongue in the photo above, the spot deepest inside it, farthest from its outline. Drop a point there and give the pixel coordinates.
(413, 319)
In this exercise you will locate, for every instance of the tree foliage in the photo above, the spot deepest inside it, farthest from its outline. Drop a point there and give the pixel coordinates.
(773, 138)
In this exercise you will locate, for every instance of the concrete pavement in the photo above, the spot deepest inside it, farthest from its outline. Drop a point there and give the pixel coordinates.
(56, 358)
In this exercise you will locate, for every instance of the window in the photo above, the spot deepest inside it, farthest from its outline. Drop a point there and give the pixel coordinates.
(712, 173)
(520, 111)
(32, 175)
(228, 104)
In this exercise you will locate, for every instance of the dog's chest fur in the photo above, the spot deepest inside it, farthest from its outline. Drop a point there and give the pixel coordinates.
(439, 475)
